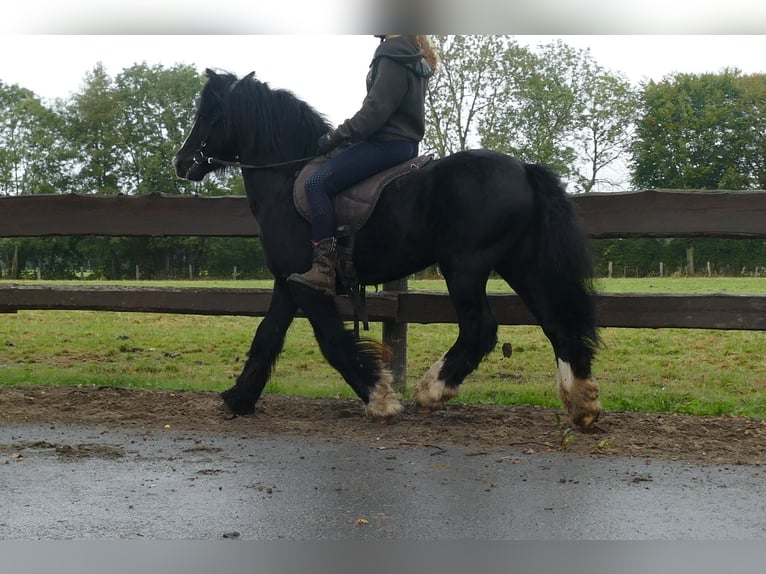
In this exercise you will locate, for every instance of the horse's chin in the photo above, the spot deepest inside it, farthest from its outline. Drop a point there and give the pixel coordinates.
(195, 173)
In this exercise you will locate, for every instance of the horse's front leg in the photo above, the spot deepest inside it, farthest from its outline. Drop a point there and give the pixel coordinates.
(265, 349)
(360, 362)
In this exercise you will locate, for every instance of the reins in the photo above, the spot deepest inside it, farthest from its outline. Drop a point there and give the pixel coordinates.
(211, 160)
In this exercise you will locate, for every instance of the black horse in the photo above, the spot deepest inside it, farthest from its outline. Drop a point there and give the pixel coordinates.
(471, 213)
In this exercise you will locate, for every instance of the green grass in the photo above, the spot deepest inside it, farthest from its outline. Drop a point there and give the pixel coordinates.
(662, 370)
(693, 285)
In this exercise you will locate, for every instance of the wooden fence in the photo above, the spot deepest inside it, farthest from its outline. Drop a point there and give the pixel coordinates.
(656, 213)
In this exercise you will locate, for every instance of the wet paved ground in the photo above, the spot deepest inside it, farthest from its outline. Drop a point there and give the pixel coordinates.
(85, 483)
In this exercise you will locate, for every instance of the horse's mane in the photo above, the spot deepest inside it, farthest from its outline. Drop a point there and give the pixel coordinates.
(266, 122)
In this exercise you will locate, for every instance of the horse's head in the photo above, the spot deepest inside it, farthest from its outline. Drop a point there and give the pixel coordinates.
(247, 122)
(210, 136)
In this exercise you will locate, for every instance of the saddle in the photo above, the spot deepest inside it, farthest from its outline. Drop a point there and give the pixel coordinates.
(353, 207)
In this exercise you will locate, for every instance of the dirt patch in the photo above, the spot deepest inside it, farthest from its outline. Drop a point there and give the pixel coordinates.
(483, 428)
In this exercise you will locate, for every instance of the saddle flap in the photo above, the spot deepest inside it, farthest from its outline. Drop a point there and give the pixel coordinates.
(354, 205)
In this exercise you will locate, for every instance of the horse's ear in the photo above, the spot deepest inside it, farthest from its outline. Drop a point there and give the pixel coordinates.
(250, 76)
(210, 73)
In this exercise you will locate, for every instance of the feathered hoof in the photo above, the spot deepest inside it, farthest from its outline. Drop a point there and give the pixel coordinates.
(384, 404)
(432, 396)
(384, 414)
(585, 413)
(580, 396)
(428, 409)
(585, 421)
(384, 421)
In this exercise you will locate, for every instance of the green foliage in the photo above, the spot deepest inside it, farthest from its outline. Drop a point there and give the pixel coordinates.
(604, 129)
(641, 257)
(117, 257)
(467, 86)
(33, 149)
(752, 107)
(154, 112)
(538, 118)
(699, 131)
(702, 131)
(553, 105)
(115, 135)
(92, 127)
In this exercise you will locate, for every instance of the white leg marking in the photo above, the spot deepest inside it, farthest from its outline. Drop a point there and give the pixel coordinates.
(580, 396)
(431, 391)
(565, 377)
(384, 402)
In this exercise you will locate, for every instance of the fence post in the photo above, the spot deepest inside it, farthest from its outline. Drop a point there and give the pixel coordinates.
(662, 269)
(15, 263)
(610, 269)
(690, 260)
(395, 337)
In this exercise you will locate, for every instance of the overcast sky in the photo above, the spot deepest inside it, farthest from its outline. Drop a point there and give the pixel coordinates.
(328, 71)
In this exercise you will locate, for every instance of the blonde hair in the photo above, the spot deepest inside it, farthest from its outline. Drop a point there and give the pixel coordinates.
(425, 45)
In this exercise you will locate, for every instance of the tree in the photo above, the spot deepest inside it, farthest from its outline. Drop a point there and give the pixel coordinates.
(464, 90)
(562, 109)
(605, 127)
(535, 120)
(33, 152)
(554, 105)
(155, 109)
(93, 129)
(12, 140)
(699, 132)
(752, 108)
(705, 131)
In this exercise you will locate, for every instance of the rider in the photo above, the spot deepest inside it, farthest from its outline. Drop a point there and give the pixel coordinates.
(384, 132)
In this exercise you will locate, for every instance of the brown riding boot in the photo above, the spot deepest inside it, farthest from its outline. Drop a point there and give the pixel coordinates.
(321, 276)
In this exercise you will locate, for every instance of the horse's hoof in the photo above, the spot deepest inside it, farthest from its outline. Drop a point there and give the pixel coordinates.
(587, 421)
(385, 421)
(428, 409)
(237, 407)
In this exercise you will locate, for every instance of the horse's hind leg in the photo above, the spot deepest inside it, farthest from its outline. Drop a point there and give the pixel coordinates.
(477, 336)
(360, 362)
(565, 312)
(264, 350)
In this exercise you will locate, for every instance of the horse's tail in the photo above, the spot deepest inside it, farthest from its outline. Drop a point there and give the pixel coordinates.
(564, 256)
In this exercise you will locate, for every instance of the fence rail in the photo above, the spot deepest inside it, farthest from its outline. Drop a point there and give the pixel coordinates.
(719, 311)
(655, 213)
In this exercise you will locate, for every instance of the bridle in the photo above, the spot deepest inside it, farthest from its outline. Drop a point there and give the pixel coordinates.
(200, 158)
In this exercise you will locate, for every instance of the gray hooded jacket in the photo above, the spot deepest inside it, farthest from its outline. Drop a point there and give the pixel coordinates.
(394, 107)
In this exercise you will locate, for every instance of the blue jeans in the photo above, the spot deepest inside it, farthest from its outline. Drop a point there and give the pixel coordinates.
(343, 170)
